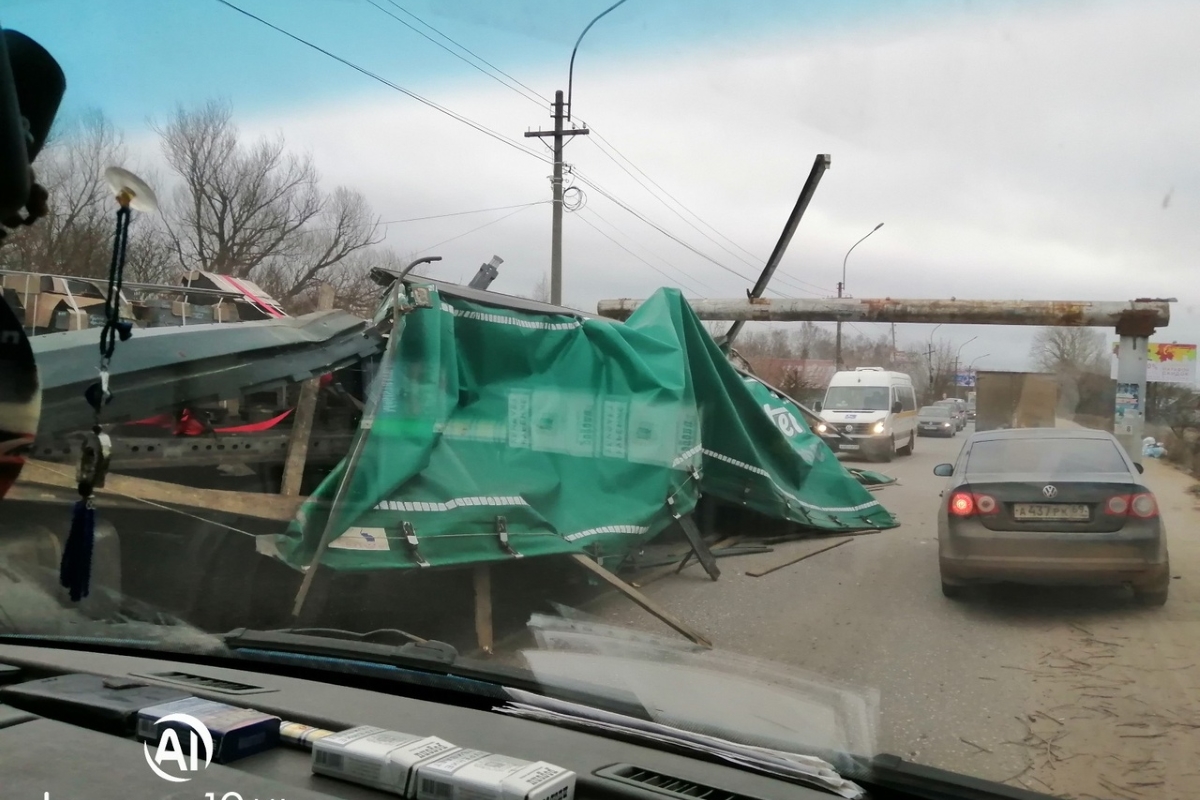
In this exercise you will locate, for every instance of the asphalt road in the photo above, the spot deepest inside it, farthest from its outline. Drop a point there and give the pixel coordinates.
(1076, 692)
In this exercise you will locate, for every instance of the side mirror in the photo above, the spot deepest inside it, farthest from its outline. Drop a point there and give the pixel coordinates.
(897, 407)
(943, 470)
(1140, 468)
(817, 407)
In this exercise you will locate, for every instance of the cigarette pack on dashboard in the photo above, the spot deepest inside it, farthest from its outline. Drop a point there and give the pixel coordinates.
(382, 759)
(375, 757)
(93, 701)
(236, 732)
(479, 775)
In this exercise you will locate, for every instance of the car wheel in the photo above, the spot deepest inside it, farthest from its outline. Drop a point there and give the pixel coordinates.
(952, 590)
(907, 450)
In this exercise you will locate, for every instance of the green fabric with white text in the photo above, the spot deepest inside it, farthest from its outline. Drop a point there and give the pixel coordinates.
(584, 435)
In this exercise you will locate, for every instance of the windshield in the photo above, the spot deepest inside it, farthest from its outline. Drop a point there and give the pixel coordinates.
(856, 398)
(1045, 455)
(437, 323)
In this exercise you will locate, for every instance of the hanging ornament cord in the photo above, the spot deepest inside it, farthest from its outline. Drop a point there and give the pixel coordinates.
(75, 570)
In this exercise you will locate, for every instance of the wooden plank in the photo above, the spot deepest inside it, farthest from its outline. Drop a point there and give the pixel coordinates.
(758, 573)
(483, 607)
(641, 599)
(37, 474)
(302, 420)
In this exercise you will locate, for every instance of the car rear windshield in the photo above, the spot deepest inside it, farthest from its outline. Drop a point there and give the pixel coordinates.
(935, 411)
(1046, 454)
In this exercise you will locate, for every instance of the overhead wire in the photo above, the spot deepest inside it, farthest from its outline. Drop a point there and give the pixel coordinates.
(395, 86)
(477, 228)
(795, 283)
(464, 213)
(664, 261)
(782, 278)
(498, 136)
(585, 221)
(537, 99)
(468, 50)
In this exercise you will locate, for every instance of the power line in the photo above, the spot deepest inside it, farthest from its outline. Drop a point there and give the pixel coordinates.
(585, 221)
(474, 55)
(464, 213)
(452, 114)
(757, 259)
(477, 228)
(609, 223)
(796, 283)
(460, 57)
(580, 176)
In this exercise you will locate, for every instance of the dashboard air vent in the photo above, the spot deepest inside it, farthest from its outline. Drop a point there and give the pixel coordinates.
(204, 682)
(666, 785)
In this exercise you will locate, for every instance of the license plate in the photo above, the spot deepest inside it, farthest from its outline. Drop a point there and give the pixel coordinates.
(848, 447)
(1051, 511)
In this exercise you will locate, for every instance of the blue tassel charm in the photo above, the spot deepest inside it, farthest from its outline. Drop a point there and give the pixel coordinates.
(75, 572)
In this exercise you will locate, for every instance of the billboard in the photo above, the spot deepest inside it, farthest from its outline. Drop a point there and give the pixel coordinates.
(964, 378)
(1166, 363)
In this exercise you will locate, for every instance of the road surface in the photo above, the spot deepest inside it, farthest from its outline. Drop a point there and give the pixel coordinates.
(1075, 692)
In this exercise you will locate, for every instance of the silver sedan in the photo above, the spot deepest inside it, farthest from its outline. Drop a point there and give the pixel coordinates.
(1050, 506)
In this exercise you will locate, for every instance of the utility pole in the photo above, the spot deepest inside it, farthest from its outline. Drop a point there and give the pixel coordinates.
(556, 184)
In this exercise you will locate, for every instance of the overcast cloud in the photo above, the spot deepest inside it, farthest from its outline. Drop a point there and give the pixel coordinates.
(1040, 154)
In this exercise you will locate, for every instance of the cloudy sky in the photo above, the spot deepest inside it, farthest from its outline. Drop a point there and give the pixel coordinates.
(1013, 150)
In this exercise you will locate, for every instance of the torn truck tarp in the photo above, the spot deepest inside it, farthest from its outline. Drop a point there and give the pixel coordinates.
(576, 431)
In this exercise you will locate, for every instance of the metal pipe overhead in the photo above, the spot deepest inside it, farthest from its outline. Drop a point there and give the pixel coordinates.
(1143, 314)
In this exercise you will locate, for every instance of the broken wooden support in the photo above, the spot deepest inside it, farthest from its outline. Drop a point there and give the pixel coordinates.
(699, 548)
(641, 599)
(302, 420)
(758, 573)
(160, 493)
(670, 569)
(483, 607)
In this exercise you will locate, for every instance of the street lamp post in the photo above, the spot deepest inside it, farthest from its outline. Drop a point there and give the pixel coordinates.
(842, 285)
(971, 365)
(929, 357)
(956, 355)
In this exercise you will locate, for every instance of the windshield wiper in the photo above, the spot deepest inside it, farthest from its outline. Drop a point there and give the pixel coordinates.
(427, 663)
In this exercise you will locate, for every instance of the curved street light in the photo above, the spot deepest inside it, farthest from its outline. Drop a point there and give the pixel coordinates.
(571, 69)
(842, 285)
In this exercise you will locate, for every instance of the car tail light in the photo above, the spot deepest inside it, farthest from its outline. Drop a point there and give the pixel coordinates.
(966, 504)
(962, 504)
(1117, 505)
(1144, 506)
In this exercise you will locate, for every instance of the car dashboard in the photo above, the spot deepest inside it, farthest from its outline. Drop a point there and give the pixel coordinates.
(47, 758)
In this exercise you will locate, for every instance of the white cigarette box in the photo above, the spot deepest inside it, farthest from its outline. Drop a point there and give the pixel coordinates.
(479, 775)
(375, 757)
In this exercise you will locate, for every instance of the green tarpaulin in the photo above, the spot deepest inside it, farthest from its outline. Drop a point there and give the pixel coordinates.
(582, 434)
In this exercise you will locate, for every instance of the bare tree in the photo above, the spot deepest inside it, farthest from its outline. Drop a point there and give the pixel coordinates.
(1070, 350)
(1071, 354)
(256, 211)
(541, 289)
